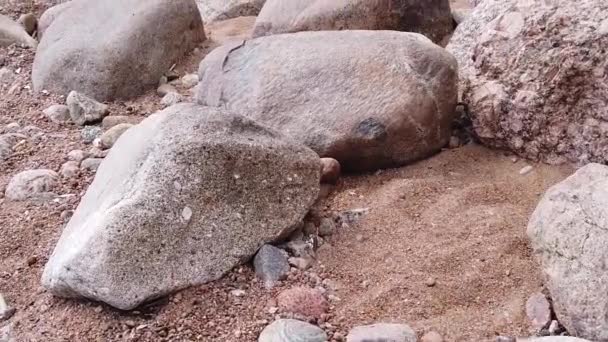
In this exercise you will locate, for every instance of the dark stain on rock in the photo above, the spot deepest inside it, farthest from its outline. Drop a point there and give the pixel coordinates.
(371, 129)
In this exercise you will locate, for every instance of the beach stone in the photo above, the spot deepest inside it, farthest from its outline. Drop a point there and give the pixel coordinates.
(165, 89)
(431, 18)
(554, 339)
(181, 199)
(171, 99)
(382, 332)
(29, 22)
(330, 170)
(567, 235)
(271, 266)
(84, 110)
(387, 105)
(91, 164)
(114, 120)
(291, 330)
(58, 114)
(69, 169)
(31, 184)
(109, 138)
(77, 155)
(142, 39)
(189, 80)
(90, 133)
(216, 10)
(327, 227)
(303, 302)
(538, 311)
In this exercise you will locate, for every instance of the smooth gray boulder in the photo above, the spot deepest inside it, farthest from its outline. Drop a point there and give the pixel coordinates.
(369, 99)
(216, 10)
(529, 72)
(13, 33)
(431, 18)
(115, 48)
(49, 16)
(182, 198)
(291, 330)
(569, 236)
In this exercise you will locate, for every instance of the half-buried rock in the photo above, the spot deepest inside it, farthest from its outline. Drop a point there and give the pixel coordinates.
(182, 198)
(429, 17)
(568, 231)
(115, 48)
(369, 99)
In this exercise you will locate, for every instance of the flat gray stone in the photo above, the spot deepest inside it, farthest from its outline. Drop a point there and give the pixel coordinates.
(291, 330)
(271, 265)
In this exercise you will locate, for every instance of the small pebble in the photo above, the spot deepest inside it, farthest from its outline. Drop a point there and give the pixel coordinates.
(430, 282)
(525, 170)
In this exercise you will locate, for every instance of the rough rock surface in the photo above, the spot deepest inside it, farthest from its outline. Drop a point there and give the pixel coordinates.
(135, 51)
(270, 265)
(31, 184)
(429, 17)
(84, 109)
(531, 73)
(389, 104)
(215, 10)
(568, 234)
(303, 302)
(291, 330)
(381, 332)
(171, 206)
(13, 33)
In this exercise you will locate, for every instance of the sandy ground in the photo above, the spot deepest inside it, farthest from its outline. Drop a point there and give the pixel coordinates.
(458, 218)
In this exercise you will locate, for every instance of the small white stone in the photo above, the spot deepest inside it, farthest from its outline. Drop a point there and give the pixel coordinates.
(187, 214)
(238, 293)
(525, 170)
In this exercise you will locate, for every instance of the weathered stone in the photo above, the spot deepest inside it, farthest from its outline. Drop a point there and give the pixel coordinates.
(330, 170)
(429, 17)
(13, 33)
(109, 138)
(529, 72)
(171, 99)
(77, 155)
(58, 114)
(189, 80)
(31, 184)
(538, 311)
(49, 16)
(84, 109)
(90, 133)
(271, 265)
(554, 339)
(567, 234)
(215, 10)
(172, 205)
(91, 164)
(291, 330)
(301, 263)
(69, 169)
(141, 40)
(382, 332)
(387, 105)
(165, 89)
(303, 302)
(327, 227)
(29, 22)
(113, 120)
(460, 15)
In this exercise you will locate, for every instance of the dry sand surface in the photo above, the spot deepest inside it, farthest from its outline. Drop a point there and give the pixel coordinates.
(455, 221)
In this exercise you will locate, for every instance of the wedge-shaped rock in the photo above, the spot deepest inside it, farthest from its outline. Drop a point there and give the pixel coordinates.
(182, 198)
(369, 99)
(429, 17)
(115, 48)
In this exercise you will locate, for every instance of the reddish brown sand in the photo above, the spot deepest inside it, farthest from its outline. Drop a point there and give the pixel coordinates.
(458, 218)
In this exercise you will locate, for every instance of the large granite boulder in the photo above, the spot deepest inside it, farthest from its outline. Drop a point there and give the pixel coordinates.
(369, 99)
(115, 48)
(216, 10)
(181, 199)
(531, 74)
(429, 17)
(569, 235)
